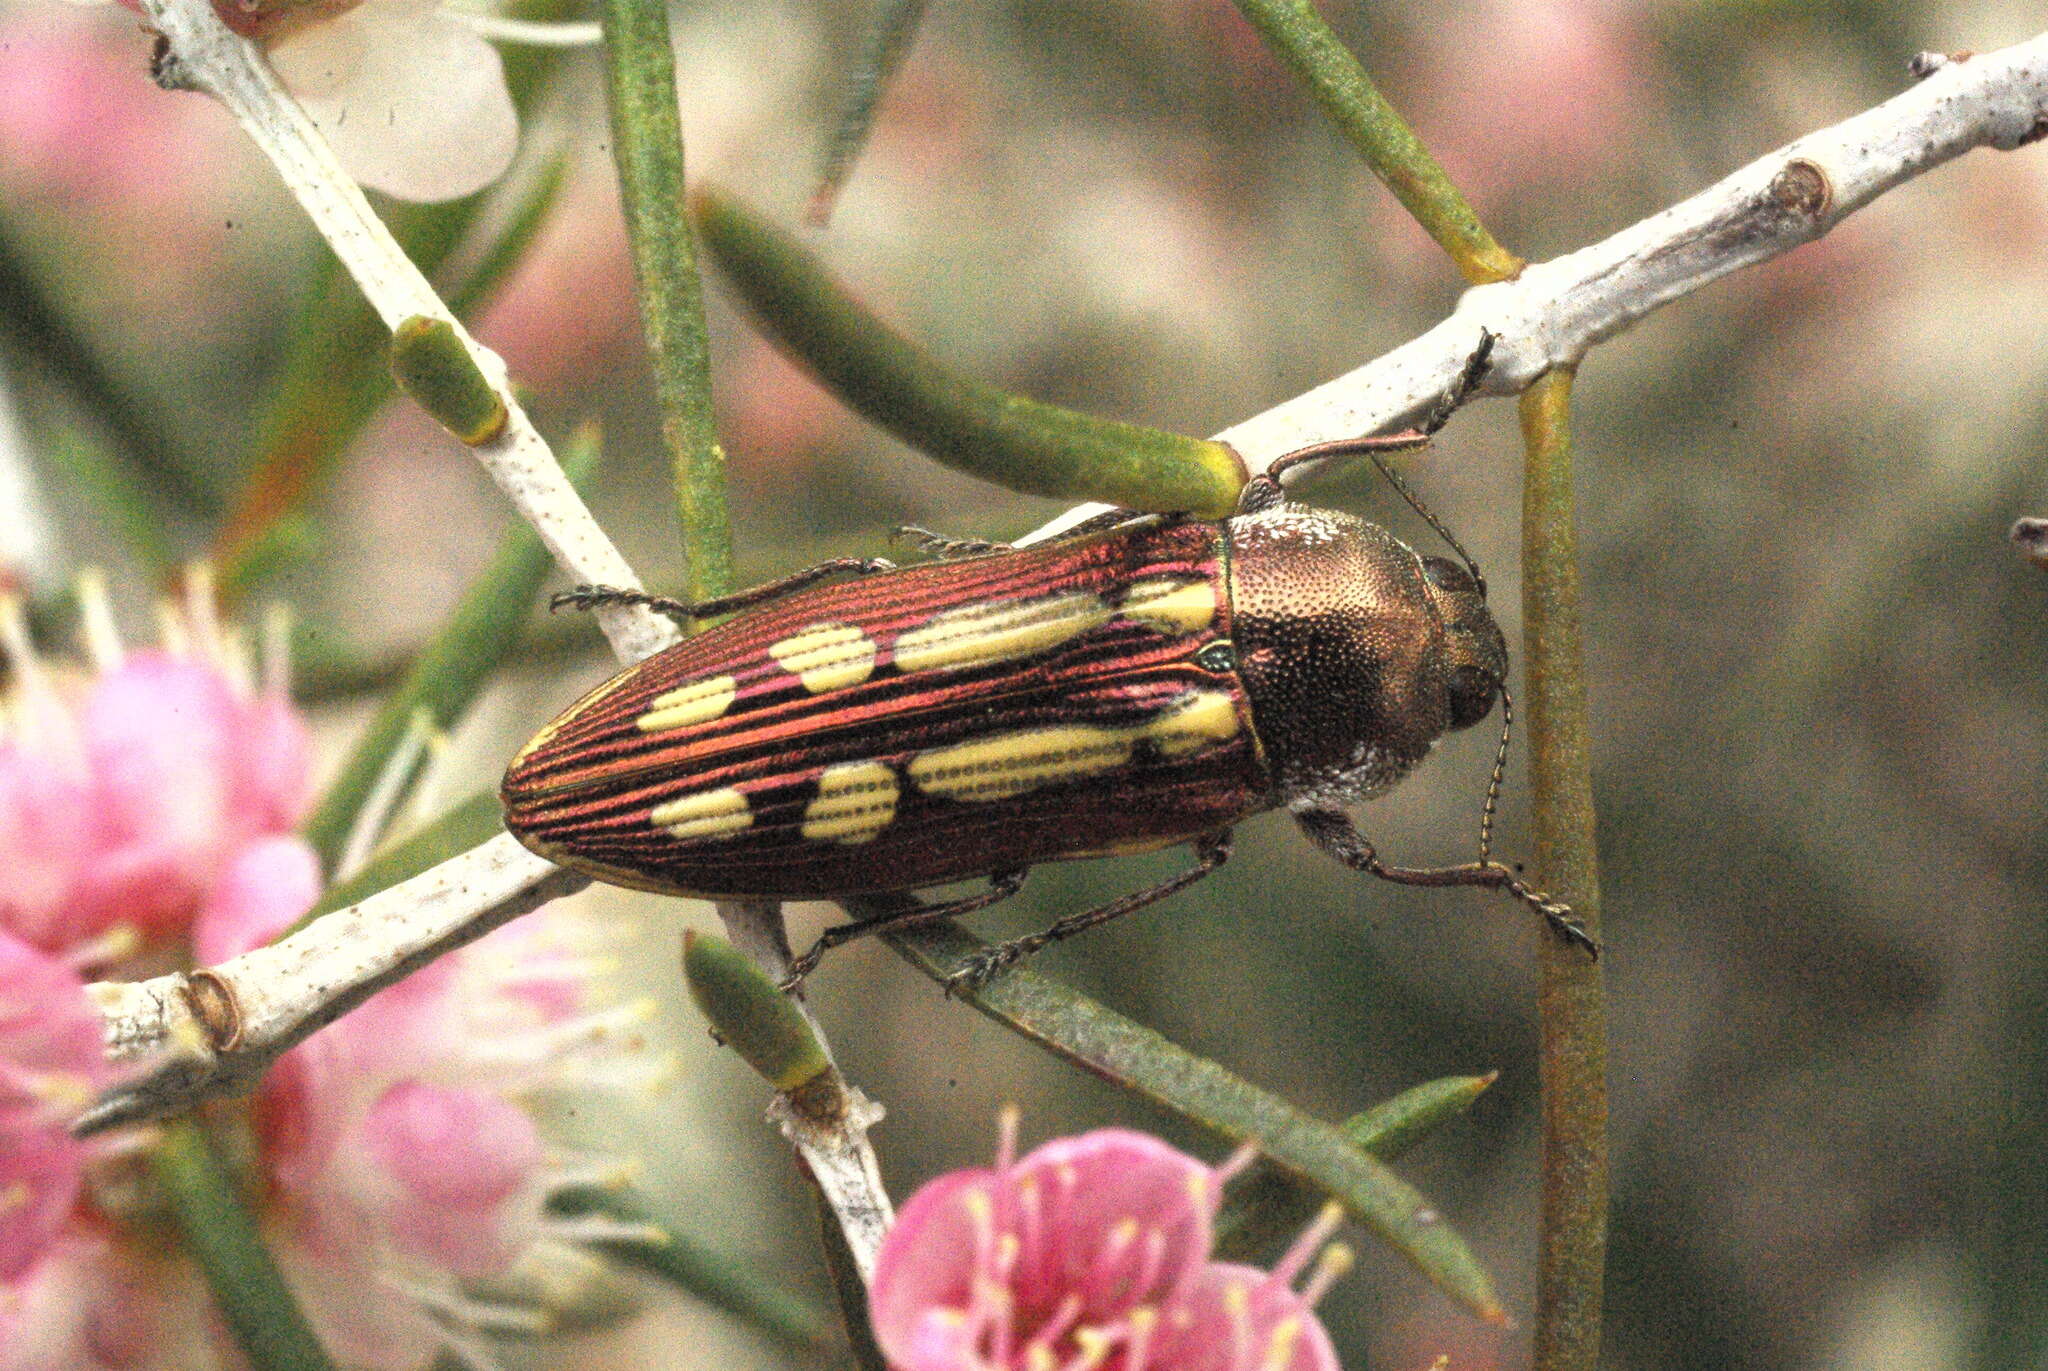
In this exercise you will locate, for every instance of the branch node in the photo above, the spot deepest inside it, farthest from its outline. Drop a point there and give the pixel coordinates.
(1803, 189)
(2031, 537)
(211, 998)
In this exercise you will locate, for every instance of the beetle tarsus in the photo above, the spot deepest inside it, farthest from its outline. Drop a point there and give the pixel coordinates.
(1475, 369)
(605, 597)
(686, 613)
(942, 548)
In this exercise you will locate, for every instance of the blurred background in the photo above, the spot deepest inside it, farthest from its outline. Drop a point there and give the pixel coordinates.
(1816, 662)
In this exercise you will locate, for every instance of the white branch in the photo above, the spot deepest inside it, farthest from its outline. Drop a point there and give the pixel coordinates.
(218, 1029)
(1554, 312)
(204, 54)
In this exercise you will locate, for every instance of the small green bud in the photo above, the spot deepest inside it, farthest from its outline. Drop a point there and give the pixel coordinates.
(432, 366)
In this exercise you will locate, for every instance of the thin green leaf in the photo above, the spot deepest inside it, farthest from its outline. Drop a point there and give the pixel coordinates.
(1021, 444)
(1265, 1207)
(716, 1279)
(1134, 1057)
(887, 43)
(223, 1240)
(1302, 39)
(647, 145)
(475, 820)
(333, 378)
(447, 677)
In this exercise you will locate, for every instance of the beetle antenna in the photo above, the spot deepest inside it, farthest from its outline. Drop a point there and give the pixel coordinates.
(1415, 503)
(1493, 783)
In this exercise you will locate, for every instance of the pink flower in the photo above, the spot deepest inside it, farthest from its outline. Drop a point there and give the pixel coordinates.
(122, 803)
(1090, 1252)
(392, 1154)
(51, 1062)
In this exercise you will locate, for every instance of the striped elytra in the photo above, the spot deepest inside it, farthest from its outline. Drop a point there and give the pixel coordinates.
(1115, 692)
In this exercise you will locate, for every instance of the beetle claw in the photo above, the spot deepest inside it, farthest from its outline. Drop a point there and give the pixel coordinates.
(978, 970)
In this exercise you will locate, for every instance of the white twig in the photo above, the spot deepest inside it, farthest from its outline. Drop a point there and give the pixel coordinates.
(204, 54)
(217, 1029)
(533, 32)
(1555, 311)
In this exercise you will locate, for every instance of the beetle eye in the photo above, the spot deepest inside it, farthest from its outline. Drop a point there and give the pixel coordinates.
(1472, 690)
(1447, 575)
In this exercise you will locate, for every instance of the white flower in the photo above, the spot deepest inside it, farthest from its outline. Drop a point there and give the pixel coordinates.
(412, 98)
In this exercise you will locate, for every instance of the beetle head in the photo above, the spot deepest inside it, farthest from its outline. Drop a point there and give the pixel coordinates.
(1357, 654)
(1475, 654)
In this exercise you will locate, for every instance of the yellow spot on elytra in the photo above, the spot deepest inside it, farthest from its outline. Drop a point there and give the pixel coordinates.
(709, 815)
(826, 656)
(855, 802)
(1011, 764)
(1203, 718)
(999, 631)
(1170, 605)
(696, 703)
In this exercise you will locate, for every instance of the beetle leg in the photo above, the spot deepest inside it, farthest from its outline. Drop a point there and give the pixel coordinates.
(596, 597)
(1210, 852)
(1333, 831)
(1001, 886)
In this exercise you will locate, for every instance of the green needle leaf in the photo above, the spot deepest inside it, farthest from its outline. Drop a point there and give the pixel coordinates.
(1266, 1207)
(750, 1014)
(715, 1278)
(887, 44)
(1020, 444)
(1126, 1053)
(222, 1238)
(1311, 48)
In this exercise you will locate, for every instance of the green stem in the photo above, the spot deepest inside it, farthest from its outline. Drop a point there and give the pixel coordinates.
(222, 1238)
(882, 51)
(1572, 1234)
(647, 145)
(1294, 30)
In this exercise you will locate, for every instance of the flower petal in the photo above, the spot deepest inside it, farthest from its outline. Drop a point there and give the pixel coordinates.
(413, 101)
(267, 885)
(926, 1270)
(51, 1060)
(463, 1160)
(1239, 1318)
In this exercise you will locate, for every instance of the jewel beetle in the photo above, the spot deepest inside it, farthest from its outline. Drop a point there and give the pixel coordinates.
(1141, 682)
